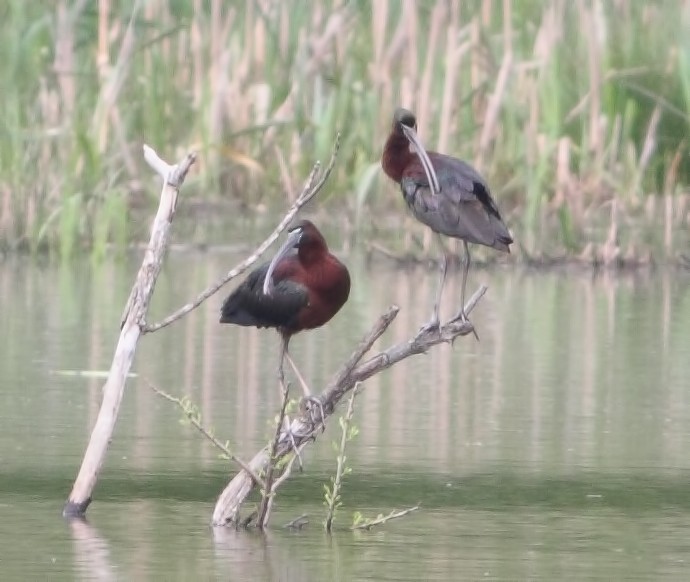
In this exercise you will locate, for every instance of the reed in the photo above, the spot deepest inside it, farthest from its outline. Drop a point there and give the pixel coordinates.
(564, 106)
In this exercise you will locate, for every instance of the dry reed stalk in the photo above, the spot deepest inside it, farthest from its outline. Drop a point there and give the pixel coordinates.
(112, 80)
(410, 80)
(64, 61)
(591, 19)
(563, 177)
(424, 108)
(491, 119)
(102, 63)
(447, 125)
(379, 21)
(197, 54)
(391, 65)
(648, 149)
(668, 223)
(476, 76)
(7, 215)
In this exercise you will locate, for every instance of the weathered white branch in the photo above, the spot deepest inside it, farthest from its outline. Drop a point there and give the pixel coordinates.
(161, 167)
(304, 428)
(130, 331)
(311, 188)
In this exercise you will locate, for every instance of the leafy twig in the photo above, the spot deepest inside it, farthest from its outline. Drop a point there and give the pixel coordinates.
(361, 522)
(347, 433)
(195, 418)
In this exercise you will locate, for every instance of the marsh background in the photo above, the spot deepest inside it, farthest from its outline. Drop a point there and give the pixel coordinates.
(553, 448)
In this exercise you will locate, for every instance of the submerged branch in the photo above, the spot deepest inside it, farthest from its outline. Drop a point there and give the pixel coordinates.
(312, 187)
(304, 428)
(381, 519)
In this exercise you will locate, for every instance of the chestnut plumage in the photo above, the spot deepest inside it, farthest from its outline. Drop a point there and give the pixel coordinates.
(302, 288)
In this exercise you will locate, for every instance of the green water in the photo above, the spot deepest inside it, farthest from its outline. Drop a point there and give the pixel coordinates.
(555, 448)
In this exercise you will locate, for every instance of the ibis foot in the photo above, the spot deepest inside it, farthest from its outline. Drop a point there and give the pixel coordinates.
(312, 404)
(462, 318)
(432, 326)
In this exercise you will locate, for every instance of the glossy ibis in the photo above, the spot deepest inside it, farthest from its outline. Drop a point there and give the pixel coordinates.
(446, 194)
(303, 287)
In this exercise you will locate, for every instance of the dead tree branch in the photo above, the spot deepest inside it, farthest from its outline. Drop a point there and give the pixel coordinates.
(311, 188)
(130, 330)
(304, 428)
(267, 497)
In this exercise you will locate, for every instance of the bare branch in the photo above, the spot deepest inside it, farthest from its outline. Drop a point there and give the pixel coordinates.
(311, 188)
(298, 523)
(365, 345)
(303, 428)
(380, 520)
(196, 423)
(419, 344)
(161, 167)
(267, 498)
(130, 332)
(288, 469)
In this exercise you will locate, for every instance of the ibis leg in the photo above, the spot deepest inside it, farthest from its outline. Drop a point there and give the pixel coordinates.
(436, 317)
(443, 271)
(300, 378)
(308, 398)
(465, 272)
(284, 341)
(462, 316)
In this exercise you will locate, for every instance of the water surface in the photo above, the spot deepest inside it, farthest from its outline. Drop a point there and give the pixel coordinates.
(554, 448)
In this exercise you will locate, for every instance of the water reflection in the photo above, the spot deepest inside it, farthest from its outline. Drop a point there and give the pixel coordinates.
(555, 446)
(91, 552)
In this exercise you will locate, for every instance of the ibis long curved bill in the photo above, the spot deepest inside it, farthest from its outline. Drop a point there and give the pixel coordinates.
(290, 243)
(429, 170)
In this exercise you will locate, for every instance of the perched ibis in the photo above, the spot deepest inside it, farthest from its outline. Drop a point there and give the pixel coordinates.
(446, 194)
(302, 288)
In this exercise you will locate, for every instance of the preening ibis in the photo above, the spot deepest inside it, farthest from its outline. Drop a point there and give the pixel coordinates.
(446, 194)
(302, 288)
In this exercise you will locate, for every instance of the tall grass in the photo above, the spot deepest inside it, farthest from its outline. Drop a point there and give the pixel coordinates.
(564, 106)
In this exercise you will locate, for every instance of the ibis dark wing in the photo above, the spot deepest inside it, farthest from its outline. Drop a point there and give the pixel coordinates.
(463, 209)
(247, 305)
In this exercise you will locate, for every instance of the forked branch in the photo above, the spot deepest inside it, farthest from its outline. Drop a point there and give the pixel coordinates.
(130, 331)
(304, 428)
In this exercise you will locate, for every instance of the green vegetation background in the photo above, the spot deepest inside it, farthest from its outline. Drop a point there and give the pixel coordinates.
(578, 113)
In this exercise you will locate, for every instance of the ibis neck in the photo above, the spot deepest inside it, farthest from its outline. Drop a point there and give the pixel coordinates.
(311, 254)
(396, 155)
